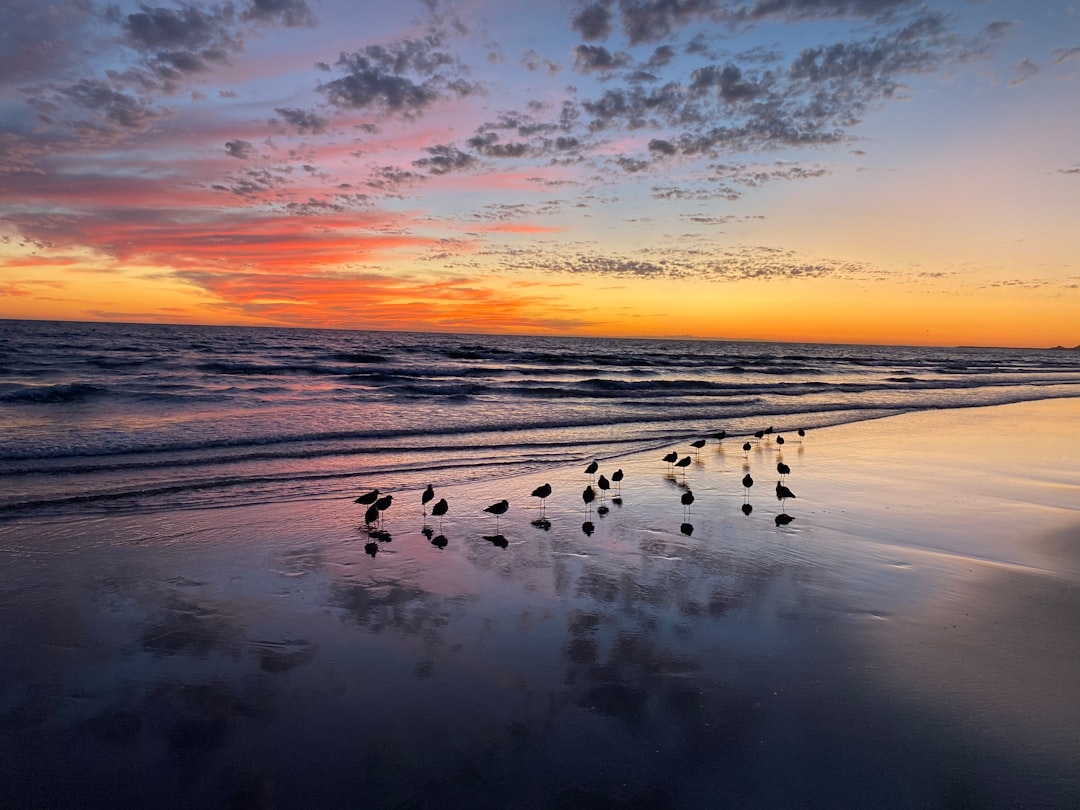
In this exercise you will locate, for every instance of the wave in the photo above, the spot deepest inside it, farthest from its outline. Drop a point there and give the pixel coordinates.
(61, 392)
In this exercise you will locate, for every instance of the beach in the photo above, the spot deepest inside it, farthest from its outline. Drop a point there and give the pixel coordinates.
(907, 640)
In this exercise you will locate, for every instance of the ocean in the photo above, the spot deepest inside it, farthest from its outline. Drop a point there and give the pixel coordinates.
(138, 417)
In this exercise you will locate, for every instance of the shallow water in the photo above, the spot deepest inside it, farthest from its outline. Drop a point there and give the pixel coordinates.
(872, 653)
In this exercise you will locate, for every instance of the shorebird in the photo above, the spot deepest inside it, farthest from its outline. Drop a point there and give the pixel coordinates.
(759, 434)
(747, 482)
(671, 458)
(429, 493)
(720, 435)
(439, 509)
(368, 498)
(684, 462)
(616, 479)
(783, 469)
(542, 493)
(697, 444)
(383, 503)
(783, 493)
(779, 439)
(498, 509)
(589, 495)
(371, 515)
(747, 447)
(687, 499)
(592, 468)
(801, 433)
(603, 485)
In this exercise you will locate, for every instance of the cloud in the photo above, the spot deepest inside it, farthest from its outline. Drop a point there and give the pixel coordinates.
(1022, 71)
(289, 13)
(445, 159)
(593, 58)
(302, 120)
(239, 149)
(404, 78)
(593, 21)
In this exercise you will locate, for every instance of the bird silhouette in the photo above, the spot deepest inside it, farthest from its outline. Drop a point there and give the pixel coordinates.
(783, 493)
(439, 509)
(759, 434)
(687, 499)
(368, 498)
(429, 493)
(384, 502)
(720, 435)
(697, 444)
(802, 432)
(779, 439)
(671, 458)
(588, 496)
(542, 493)
(371, 515)
(747, 481)
(782, 468)
(498, 509)
(616, 479)
(747, 447)
(591, 469)
(603, 485)
(684, 462)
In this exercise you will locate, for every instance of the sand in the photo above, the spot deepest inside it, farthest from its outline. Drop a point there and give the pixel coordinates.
(908, 640)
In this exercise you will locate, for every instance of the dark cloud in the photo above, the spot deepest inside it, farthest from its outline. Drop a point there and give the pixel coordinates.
(535, 63)
(662, 147)
(487, 144)
(1022, 71)
(728, 82)
(116, 109)
(591, 58)
(593, 21)
(302, 120)
(289, 13)
(406, 77)
(445, 159)
(239, 149)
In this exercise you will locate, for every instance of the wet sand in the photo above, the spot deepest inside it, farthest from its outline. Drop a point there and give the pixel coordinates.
(908, 640)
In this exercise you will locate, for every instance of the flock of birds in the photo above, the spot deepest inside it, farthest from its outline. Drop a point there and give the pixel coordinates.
(378, 502)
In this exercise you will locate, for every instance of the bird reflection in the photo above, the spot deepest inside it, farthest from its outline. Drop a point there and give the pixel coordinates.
(687, 529)
(439, 541)
(428, 532)
(371, 548)
(497, 540)
(747, 508)
(588, 528)
(783, 519)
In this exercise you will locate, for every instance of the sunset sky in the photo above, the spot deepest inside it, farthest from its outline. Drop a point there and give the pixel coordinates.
(870, 171)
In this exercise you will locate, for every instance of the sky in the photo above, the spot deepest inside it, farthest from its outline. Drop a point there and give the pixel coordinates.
(843, 171)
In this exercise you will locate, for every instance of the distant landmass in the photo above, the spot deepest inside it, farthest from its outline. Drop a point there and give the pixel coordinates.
(1063, 348)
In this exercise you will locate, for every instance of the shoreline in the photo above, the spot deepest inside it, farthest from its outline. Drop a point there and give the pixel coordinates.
(907, 640)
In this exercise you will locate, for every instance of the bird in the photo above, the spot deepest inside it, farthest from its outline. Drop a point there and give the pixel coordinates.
(371, 515)
(783, 519)
(439, 509)
(589, 495)
(747, 481)
(684, 462)
(697, 444)
(720, 435)
(429, 493)
(603, 485)
(671, 458)
(783, 493)
(497, 509)
(384, 502)
(779, 439)
(616, 479)
(747, 447)
(542, 493)
(759, 434)
(368, 498)
(802, 432)
(782, 468)
(687, 499)
(592, 468)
